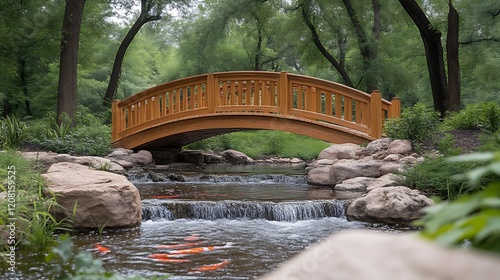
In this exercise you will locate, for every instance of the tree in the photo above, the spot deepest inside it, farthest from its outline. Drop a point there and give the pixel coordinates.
(431, 38)
(151, 10)
(67, 87)
(313, 10)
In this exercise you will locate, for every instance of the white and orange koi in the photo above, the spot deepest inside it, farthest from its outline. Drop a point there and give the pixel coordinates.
(197, 250)
(211, 267)
(192, 237)
(170, 260)
(179, 246)
(103, 250)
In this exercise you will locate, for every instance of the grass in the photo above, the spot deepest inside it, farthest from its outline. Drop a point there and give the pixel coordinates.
(263, 143)
(35, 226)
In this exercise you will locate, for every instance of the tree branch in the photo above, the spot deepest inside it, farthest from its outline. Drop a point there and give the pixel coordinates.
(471, 41)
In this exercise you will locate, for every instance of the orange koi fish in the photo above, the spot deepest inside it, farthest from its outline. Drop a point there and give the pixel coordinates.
(210, 267)
(197, 250)
(165, 196)
(192, 237)
(178, 246)
(103, 250)
(162, 256)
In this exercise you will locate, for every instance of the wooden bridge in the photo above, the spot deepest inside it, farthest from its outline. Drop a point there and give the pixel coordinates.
(183, 111)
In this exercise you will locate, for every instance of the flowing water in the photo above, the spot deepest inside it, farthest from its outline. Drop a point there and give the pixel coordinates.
(256, 217)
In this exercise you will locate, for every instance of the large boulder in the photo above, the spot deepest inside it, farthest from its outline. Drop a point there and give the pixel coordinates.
(49, 158)
(101, 198)
(381, 256)
(351, 169)
(399, 147)
(389, 205)
(357, 184)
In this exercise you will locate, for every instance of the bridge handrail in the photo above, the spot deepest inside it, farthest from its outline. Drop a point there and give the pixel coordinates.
(260, 92)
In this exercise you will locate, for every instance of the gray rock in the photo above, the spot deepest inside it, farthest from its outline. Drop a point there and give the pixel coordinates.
(351, 169)
(142, 158)
(165, 156)
(392, 167)
(377, 145)
(236, 157)
(357, 184)
(381, 256)
(389, 205)
(386, 180)
(101, 198)
(319, 176)
(399, 147)
(339, 151)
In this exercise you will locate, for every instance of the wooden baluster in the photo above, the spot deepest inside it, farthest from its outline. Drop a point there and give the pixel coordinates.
(348, 108)
(328, 104)
(210, 93)
(395, 108)
(338, 106)
(357, 111)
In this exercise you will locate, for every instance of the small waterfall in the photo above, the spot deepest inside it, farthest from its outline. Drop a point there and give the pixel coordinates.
(233, 209)
(238, 178)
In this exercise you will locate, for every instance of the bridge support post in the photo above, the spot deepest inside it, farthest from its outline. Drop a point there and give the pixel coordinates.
(395, 111)
(116, 119)
(376, 114)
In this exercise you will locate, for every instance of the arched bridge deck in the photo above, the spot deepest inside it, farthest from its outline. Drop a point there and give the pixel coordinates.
(186, 110)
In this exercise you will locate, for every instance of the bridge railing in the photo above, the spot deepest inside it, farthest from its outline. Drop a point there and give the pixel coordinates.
(253, 92)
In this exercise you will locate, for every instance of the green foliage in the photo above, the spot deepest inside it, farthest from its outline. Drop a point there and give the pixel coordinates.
(263, 143)
(13, 132)
(445, 145)
(490, 141)
(417, 124)
(474, 218)
(89, 137)
(484, 116)
(433, 177)
(68, 263)
(35, 226)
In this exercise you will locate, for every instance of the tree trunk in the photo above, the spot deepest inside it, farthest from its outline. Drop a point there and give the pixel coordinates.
(24, 84)
(144, 18)
(323, 50)
(453, 59)
(67, 88)
(431, 38)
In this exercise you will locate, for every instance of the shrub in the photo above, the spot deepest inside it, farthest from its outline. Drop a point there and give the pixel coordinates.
(474, 218)
(416, 124)
(89, 137)
(13, 132)
(484, 116)
(433, 177)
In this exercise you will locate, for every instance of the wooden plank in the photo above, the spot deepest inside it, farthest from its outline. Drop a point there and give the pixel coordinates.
(338, 105)
(348, 109)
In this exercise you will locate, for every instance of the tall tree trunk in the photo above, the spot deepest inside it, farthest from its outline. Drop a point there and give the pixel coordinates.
(315, 37)
(453, 59)
(431, 38)
(24, 84)
(258, 54)
(67, 88)
(143, 18)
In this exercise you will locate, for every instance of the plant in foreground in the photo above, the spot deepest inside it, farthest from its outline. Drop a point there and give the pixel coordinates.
(474, 217)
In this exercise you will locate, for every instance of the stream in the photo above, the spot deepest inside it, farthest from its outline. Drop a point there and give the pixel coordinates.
(256, 217)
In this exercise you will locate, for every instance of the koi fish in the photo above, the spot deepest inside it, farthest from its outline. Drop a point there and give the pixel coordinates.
(192, 237)
(197, 250)
(171, 260)
(103, 250)
(164, 196)
(178, 246)
(210, 267)
(162, 256)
